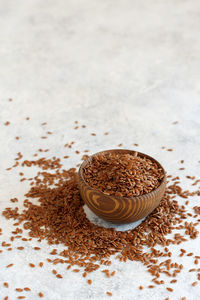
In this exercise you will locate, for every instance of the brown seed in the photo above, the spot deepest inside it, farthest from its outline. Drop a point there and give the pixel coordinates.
(109, 293)
(41, 264)
(20, 248)
(194, 283)
(89, 281)
(31, 265)
(27, 289)
(40, 294)
(169, 289)
(173, 281)
(141, 287)
(10, 265)
(6, 284)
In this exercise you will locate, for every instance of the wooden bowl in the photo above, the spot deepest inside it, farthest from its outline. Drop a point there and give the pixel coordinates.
(117, 209)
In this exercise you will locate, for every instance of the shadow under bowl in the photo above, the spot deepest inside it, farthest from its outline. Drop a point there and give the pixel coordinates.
(115, 209)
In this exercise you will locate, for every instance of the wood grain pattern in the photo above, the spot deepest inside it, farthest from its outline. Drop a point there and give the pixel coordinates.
(120, 209)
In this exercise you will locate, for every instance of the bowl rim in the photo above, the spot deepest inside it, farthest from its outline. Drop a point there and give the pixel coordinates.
(85, 162)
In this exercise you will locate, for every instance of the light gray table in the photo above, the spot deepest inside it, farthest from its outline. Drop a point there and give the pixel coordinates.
(126, 66)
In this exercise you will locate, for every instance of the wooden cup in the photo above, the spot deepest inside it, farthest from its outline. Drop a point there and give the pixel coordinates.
(117, 209)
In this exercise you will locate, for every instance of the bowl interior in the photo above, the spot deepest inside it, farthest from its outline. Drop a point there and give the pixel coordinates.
(117, 151)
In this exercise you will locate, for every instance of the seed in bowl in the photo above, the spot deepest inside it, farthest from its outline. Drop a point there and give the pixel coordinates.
(122, 174)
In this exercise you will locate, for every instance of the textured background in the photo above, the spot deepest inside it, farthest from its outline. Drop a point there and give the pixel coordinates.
(130, 67)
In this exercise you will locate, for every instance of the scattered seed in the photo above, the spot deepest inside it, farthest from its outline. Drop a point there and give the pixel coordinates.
(41, 295)
(173, 281)
(141, 287)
